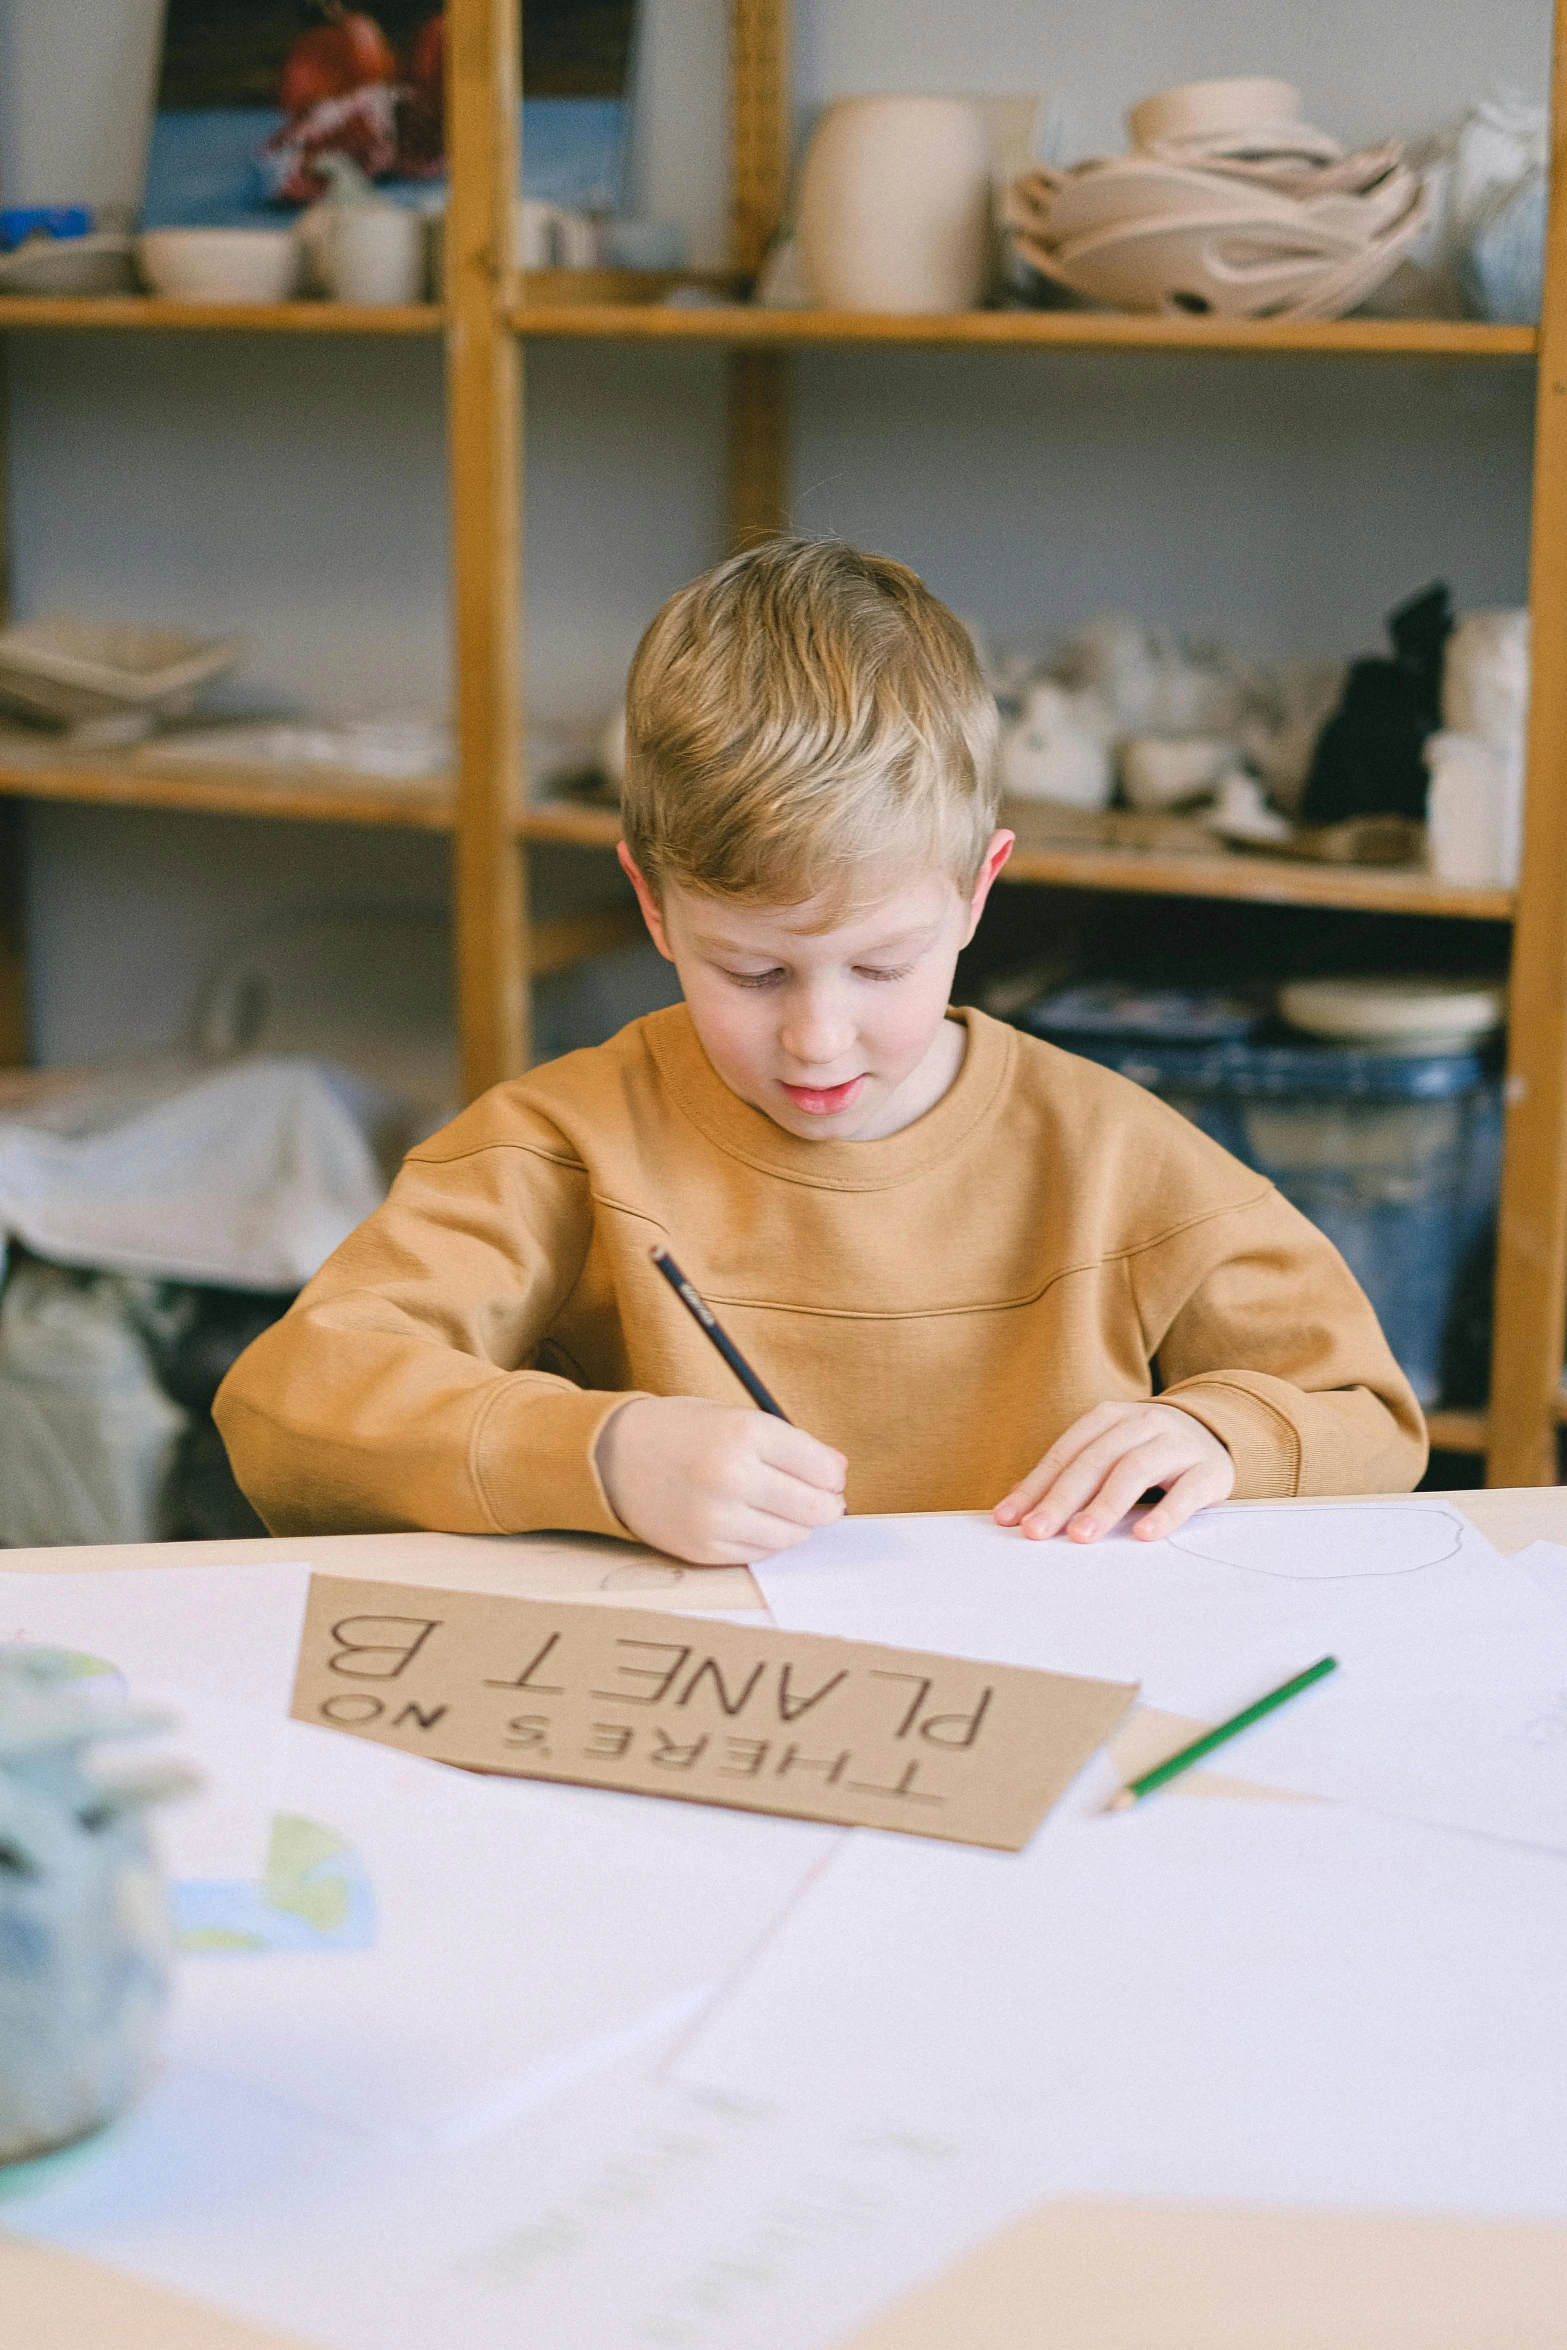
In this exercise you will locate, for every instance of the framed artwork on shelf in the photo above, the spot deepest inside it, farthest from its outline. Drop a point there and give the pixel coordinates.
(252, 95)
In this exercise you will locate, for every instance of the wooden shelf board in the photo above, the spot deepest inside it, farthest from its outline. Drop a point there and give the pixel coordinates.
(147, 312)
(311, 795)
(617, 288)
(43, 772)
(1265, 880)
(1082, 330)
(570, 820)
(1465, 1431)
(1456, 1431)
(1270, 881)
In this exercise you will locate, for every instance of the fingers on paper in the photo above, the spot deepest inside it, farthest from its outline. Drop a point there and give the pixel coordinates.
(1067, 1448)
(1107, 1460)
(1184, 1496)
(740, 1536)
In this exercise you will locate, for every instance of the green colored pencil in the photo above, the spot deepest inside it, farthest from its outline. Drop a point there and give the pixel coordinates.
(1136, 1789)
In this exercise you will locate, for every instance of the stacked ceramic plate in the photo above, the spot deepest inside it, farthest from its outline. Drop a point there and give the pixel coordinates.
(1227, 204)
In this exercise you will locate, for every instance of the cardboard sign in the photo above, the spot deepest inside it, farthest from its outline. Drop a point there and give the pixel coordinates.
(759, 1720)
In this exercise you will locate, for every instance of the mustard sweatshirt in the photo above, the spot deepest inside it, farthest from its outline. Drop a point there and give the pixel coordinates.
(939, 1305)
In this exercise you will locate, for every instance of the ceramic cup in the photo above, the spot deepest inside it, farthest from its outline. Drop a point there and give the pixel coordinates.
(894, 205)
(534, 233)
(578, 241)
(375, 254)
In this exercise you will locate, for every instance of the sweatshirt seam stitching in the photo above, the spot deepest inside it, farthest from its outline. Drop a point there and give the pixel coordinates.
(1001, 1305)
(533, 1150)
(481, 1422)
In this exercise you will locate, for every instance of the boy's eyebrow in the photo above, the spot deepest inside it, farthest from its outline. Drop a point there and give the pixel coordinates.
(714, 943)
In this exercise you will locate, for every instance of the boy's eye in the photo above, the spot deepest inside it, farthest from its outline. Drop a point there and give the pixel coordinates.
(877, 971)
(756, 978)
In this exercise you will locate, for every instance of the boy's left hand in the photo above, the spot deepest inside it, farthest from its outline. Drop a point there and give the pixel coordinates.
(1094, 1473)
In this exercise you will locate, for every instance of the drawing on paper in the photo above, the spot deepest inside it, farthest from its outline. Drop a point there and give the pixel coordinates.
(315, 1895)
(1324, 1545)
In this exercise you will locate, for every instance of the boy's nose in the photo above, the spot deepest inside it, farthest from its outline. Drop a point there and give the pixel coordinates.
(815, 1035)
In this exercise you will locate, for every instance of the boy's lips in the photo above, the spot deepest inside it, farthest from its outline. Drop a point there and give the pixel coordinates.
(821, 1101)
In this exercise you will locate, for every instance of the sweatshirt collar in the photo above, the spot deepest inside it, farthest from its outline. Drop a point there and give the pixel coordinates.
(744, 1133)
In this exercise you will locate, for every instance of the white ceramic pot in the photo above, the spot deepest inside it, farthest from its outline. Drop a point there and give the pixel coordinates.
(375, 253)
(894, 206)
(219, 264)
(1485, 678)
(1474, 811)
(76, 98)
(1057, 750)
(1168, 771)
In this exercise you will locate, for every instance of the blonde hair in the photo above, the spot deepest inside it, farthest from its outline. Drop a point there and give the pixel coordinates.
(801, 722)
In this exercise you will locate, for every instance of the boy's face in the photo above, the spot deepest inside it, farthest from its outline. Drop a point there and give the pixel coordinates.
(834, 1034)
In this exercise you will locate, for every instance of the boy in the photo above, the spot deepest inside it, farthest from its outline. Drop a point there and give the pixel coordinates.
(965, 1262)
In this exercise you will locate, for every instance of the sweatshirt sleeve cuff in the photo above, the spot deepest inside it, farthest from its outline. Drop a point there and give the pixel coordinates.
(532, 1458)
(1264, 1445)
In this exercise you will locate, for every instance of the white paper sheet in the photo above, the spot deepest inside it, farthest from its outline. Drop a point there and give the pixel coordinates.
(628, 2215)
(1234, 1604)
(230, 1633)
(1545, 1564)
(1487, 1753)
(1248, 2001)
(513, 1926)
(1491, 1761)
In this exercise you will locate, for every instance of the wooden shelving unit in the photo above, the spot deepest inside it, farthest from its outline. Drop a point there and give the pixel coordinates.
(489, 316)
(1025, 330)
(144, 314)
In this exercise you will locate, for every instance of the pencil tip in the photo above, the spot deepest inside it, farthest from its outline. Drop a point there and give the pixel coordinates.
(1122, 1802)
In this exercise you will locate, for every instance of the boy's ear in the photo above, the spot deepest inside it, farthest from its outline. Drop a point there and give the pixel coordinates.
(647, 901)
(1001, 847)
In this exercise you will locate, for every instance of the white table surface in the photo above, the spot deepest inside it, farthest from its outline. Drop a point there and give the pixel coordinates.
(1071, 2275)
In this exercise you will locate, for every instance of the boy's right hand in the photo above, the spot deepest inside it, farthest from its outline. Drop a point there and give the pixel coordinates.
(713, 1484)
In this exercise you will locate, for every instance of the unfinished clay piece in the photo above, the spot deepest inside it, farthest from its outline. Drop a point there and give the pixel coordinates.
(895, 205)
(84, 1936)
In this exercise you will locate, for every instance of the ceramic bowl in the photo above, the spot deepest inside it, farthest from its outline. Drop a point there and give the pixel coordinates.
(1239, 268)
(1379, 1010)
(219, 264)
(1135, 191)
(1270, 146)
(1198, 110)
(99, 263)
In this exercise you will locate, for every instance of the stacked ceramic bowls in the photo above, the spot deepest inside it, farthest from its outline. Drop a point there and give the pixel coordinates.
(1227, 204)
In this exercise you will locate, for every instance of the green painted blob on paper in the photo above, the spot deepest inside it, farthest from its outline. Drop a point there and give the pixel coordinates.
(296, 1849)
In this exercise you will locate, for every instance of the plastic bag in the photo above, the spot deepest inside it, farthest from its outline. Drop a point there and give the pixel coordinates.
(247, 1176)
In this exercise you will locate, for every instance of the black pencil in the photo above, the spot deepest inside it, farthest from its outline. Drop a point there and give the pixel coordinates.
(701, 1312)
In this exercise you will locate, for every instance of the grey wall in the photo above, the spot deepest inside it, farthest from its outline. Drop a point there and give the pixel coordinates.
(293, 489)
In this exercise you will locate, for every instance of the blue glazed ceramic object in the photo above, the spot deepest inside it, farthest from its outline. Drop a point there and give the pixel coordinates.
(85, 1942)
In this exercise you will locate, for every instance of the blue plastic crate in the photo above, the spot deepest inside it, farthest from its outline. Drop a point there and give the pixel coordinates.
(1396, 1157)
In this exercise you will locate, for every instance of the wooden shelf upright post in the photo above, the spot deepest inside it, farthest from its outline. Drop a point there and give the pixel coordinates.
(1531, 1270)
(761, 122)
(13, 953)
(484, 379)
